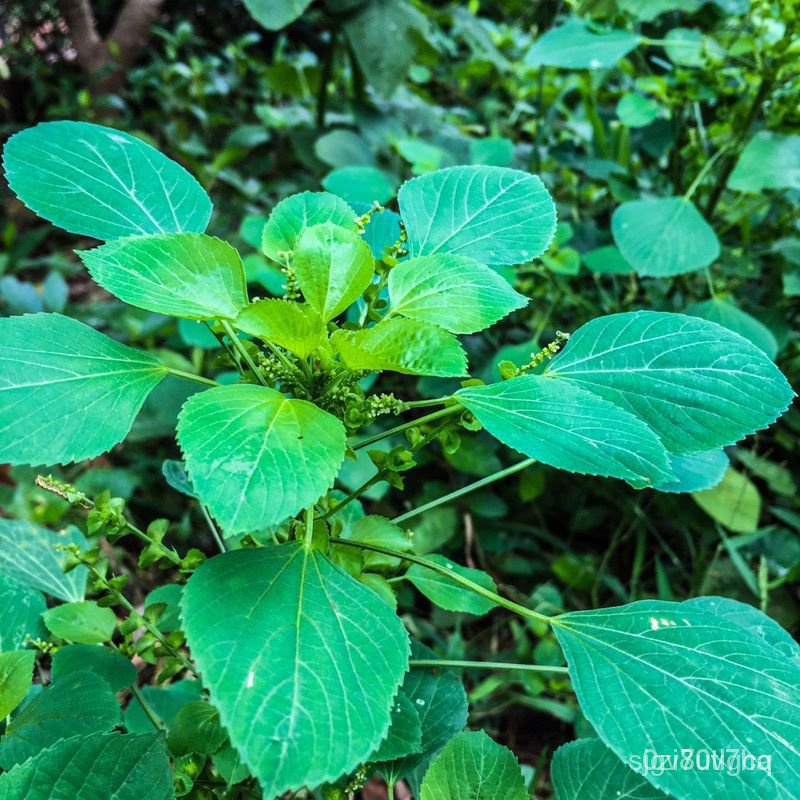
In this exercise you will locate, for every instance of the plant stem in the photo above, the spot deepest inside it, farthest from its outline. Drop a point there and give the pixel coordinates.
(445, 412)
(213, 528)
(425, 403)
(503, 473)
(179, 373)
(309, 525)
(704, 171)
(149, 711)
(242, 350)
(441, 662)
(466, 583)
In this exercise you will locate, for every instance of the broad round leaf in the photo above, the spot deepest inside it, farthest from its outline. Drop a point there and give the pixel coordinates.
(276, 14)
(256, 457)
(494, 215)
(196, 729)
(447, 594)
(574, 45)
(84, 622)
(301, 660)
(67, 392)
(294, 326)
(100, 182)
(664, 236)
(16, 676)
(769, 161)
(698, 385)
(188, 275)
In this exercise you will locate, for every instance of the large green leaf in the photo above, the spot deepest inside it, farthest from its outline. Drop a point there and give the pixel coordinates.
(454, 292)
(725, 313)
(101, 182)
(568, 427)
(83, 621)
(697, 384)
(29, 556)
(188, 275)
(301, 660)
(447, 594)
(733, 502)
(666, 677)
(769, 161)
(105, 662)
(405, 732)
(494, 215)
(575, 45)
(473, 766)
(67, 392)
(587, 770)
(276, 14)
(402, 345)
(664, 236)
(22, 610)
(333, 267)
(294, 326)
(101, 765)
(256, 457)
(16, 676)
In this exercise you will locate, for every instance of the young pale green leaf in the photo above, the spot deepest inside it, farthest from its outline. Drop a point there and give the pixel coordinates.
(276, 14)
(16, 676)
(575, 45)
(402, 345)
(733, 502)
(769, 161)
(664, 236)
(446, 593)
(101, 182)
(698, 385)
(405, 732)
(494, 215)
(67, 392)
(29, 556)
(89, 767)
(684, 679)
(22, 610)
(453, 292)
(333, 267)
(473, 766)
(187, 275)
(587, 770)
(301, 660)
(256, 457)
(106, 663)
(196, 729)
(300, 211)
(294, 326)
(569, 428)
(694, 472)
(729, 316)
(83, 621)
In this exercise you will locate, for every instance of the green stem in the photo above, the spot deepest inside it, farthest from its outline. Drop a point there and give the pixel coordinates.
(426, 403)
(704, 171)
(466, 583)
(445, 412)
(309, 525)
(439, 662)
(242, 350)
(149, 711)
(213, 528)
(390, 790)
(179, 373)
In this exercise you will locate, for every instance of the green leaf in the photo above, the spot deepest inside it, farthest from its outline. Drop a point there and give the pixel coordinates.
(256, 457)
(381, 532)
(587, 770)
(454, 292)
(166, 701)
(694, 472)
(422, 156)
(78, 705)
(689, 48)
(22, 610)
(101, 182)
(16, 676)
(473, 766)
(663, 677)
(108, 664)
(448, 594)
(402, 345)
(28, 555)
(168, 595)
(648, 10)
(494, 215)
(301, 660)
(276, 14)
(699, 386)
(405, 733)
(300, 211)
(187, 275)
(567, 427)
(361, 184)
(67, 391)
(729, 316)
(493, 151)
(664, 236)
(333, 267)
(343, 148)
(769, 161)
(293, 326)
(196, 729)
(83, 621)
(734, 502)
(576, 45)
(636, 111)
(88, 767)
(606, 261)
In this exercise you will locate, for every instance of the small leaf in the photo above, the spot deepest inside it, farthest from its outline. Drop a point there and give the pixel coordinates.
(769, 161)
(16, 676)
(446, 593)
(575, 45)
(166, 701)
(405, 733)
(494, 215)
(106, 663)
(187, 275)
(636, 111)
(294, 326)
(196, 729)
(68, 392)
(276, 14)
(381, 532)
(22, 610)
(168, 595)
(664, 236)
(734, 502)
(100, 182)
(729, 316)
(606, 261)
(84, 622)
(361, 184)
(256, 457)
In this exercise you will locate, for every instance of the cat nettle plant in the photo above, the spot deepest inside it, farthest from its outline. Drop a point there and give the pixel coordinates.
(288, 663)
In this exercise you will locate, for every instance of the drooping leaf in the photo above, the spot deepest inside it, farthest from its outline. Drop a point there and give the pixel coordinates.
(472, 765)
(83, 621)
(769, 161)
(109, 664)
(29, 556)
(729, 316)
(694, 472)
(22, 610)
(402, 345)
(575, 45)
(447, 594)
(294, 326)
(734, 502)
(664, 236)
(256, 457)
(100, 182)
(67, 392)
(301, 660)
(698, 385)
(568, 427)
(405, 733)
(333, 267)
(494, 215)
(196, 729)
(276, 14)
(686, 679)
(361, 184)
(187, 275)
(300, 211)
(454, 292)
(16, 676)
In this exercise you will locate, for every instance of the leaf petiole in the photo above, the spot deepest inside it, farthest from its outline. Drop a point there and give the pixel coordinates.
(443, 662)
